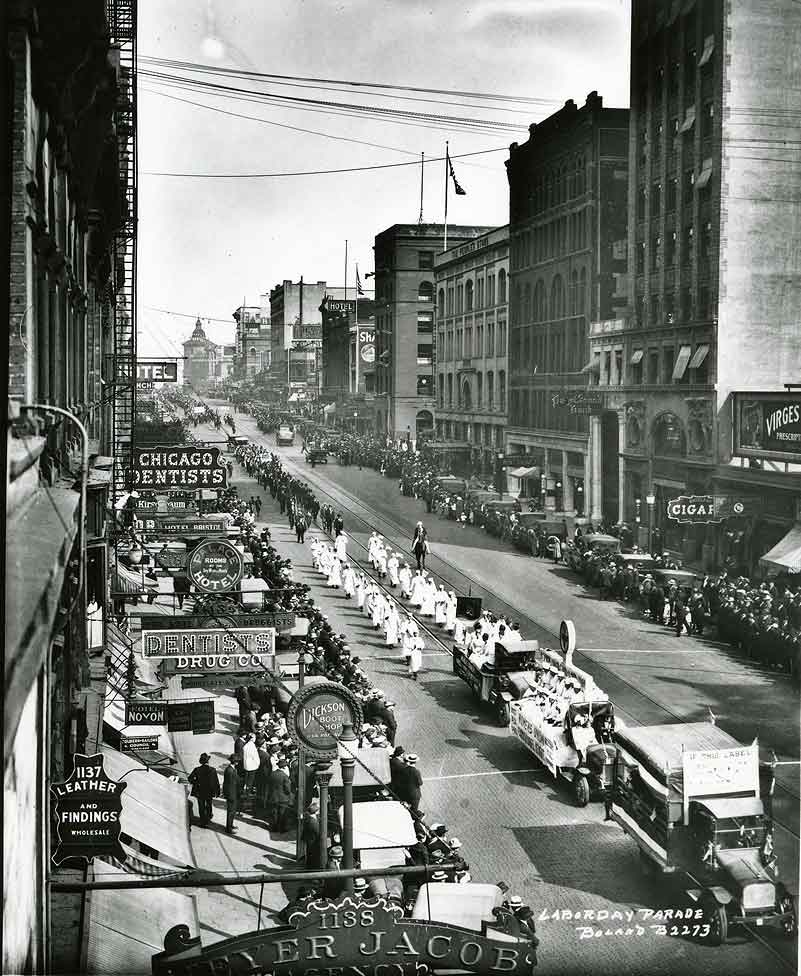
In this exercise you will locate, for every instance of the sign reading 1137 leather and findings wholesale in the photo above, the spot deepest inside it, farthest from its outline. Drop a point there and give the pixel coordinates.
(178, 467)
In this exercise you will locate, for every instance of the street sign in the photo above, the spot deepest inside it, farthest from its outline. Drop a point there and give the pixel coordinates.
(88, 808)
(145, 712)
(215, 566)
(179, 467)
(317, 714)
(139, 743)
(199, 644)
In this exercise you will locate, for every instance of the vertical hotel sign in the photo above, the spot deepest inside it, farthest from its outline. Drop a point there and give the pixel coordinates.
(768, 425)
(178, 467)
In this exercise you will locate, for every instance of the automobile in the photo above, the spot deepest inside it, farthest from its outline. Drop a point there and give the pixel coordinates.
(492, 683)
(316, 455)
(285, 435)
(383, 832)
(237, 440)
(716, 839)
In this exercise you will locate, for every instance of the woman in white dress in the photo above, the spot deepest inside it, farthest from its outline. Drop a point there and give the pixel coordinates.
(450, 613)
(334, 573)
(427, 605)
(407, 637)
(391, 623)
(416, 659)
(379, 606)
(393, 567)
(348, 580)
(361, 590)
(371, 548)
(368, 598)
(381, 562)
(441, 602)
(315, 551)
(405, 578)
(417, 589)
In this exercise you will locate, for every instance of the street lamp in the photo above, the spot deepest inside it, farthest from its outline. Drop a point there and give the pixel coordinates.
(346, 746)
(650, 501)
(304, 660)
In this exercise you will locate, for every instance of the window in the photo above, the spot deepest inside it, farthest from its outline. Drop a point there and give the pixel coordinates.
(653, 366)
(689, 120)
(606, 373)
(501, 350)
(671, 242)
(707, 245)
(480, 293)
(686, 309)
(425, 354)
(708, 120)
(670, 308)
(425, 260)
(658, 130)
(490, 289)
(656, 199)
(490, 391)
(656, 310)
(618, 366)
(468, 291)
(641, 257)
(425, 322)
(582, 292)
(479, 389)
(425, 292)
(425, 385)
(501, 287)
(440, 346)
(689, 183)
(459, 299)
(656, 253)
(636, 367)
(450, 389)
(450, 300)
(557, 298)
(688, 239)
(441, 302)
(668, 362)
(502, 389)
(527, 308)
(441, 391)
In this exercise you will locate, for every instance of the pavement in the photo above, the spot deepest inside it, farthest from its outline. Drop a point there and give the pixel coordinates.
(517, 824)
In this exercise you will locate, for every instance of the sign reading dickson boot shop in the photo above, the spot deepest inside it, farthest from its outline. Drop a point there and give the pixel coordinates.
(179, 467)
(349, 938)
(88, 808)
(767, 425)
(317, 714)
(215, 566)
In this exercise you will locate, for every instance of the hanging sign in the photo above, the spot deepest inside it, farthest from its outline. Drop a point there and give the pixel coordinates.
(215, 566)
(232, 621)
(139, 743)
(214, 642)
(179, 467)
(704, 508)
(238, 679)
(720, 772)
(768, 425)
(369, 937)
(219, 663)
(367, 353)
(88, 808)
(145, 713)
(163, 372)
(317, 714)
(180, 528)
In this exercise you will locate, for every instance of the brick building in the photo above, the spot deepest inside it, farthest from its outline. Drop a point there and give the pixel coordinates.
(567, 230)
(253, 342)
(471, 283)
(716, 290)
(201, 357)
(339, 347)
(404, 295)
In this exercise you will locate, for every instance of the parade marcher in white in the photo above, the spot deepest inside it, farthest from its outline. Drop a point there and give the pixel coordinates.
(408, 637)
(416, 658)
(334, 572)
(441, 603)
(427, 605)
(417, 589)
(370, 592)
(378, 609)
(450, 613)
(371, 548)
(405, 577)
(361, 591)
(341, 546)
(393, 566)
(348, 579)
(381, 561)
(391, 623)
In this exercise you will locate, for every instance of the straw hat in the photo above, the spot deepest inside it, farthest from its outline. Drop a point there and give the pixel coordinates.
(359, 884)
(439, 876)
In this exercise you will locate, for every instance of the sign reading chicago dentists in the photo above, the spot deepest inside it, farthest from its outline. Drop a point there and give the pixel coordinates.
(767, 425)
(367, 938)
(179, 467)
(88, 808)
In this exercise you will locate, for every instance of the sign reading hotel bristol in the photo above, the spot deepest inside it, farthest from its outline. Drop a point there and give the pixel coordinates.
(215, 566)
(179, 467)
(366, 938)
(88, 808)
(316, 715)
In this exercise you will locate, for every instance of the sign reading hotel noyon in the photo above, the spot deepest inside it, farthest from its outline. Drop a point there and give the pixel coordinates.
(179, 467)
(200, 643)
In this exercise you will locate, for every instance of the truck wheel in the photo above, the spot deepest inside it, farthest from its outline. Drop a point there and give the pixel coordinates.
(567, 636)
(581, 790)
(503, 714)
(718, 922)
(790, 926)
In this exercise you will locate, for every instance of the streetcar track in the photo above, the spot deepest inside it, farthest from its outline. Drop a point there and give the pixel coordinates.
(590, 664)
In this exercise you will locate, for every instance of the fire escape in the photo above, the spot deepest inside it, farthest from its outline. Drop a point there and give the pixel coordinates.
(122, 28)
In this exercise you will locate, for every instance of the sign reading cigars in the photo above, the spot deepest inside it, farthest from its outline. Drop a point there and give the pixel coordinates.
(88, 808)
(179, 467)
(703, 508)
(317, 714)
(366, 938)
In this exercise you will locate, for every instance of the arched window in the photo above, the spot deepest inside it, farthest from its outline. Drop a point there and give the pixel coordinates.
(527, 310)
(468, 294)
(441, 301)
(479, 389)
(501, 287)
(490, 390)
(574, 278)
(539, 301)
(557, 298)
(467, 397)
(502, 389)
(668, 436)
(450, 389)
(425, 291)
(441, 385)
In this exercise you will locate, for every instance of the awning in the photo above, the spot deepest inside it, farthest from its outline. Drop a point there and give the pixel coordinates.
(386, 857)
(699, 356)
(127, 928)
(127, 580)
(689, 119)
(330, 408)
(155, 811)
(372, 769)
(636, 357)
(467, 906)
(785, 556)
(523, 473)
(704, 175)
(709, 47)
(593, 366)
(681, 362)
(381, 823)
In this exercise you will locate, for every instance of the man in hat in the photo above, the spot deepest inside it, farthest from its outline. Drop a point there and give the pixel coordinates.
(359, 889)
(205, 786)
(231, 792)
(311, 833)
(410, 782)
(280, 796)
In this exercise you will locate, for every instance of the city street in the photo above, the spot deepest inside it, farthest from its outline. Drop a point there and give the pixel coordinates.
(516, 823)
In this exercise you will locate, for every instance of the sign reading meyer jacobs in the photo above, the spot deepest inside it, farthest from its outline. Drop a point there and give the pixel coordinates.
(767, 425)
(369, 938)
(179, 467)
(208, 643)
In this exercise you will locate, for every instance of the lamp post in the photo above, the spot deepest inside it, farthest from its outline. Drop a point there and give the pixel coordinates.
(345, 748)
(650, 501)
(304, 659)
(323, 774)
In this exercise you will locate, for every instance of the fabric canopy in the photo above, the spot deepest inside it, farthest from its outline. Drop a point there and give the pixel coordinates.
(372, 769)
(127, 928)
(525, 473)
(381, 823)
(785, 556)
(467, 906)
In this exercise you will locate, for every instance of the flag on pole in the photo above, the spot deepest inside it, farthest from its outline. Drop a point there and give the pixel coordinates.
(456, 185)
(359, 289)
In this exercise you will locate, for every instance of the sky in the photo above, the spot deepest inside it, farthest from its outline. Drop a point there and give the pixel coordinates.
(205, 244)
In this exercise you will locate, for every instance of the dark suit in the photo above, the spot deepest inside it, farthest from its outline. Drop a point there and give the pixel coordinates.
(409, 783)
(205, 786)
(311, 837)
(280, 799)
(396, 765)
(231, 794)
(387, 717)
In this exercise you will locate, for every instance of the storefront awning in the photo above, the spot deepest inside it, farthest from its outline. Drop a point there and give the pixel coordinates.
(785, 556)
(523, 473)
(681, 362)
(636, 357)
(155, 811)
(689, 119)
(126, 928)
(699, 356)
(709, 47)
(593, 366)
(704, 175)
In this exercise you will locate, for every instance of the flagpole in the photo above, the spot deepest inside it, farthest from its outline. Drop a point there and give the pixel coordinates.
(346, 270)
(356, 384)
(422, 179)
(445, 242)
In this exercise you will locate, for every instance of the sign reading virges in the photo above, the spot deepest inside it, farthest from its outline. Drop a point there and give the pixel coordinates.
(768, 425)
(203, 643)
(179, 467)
(215, 566)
